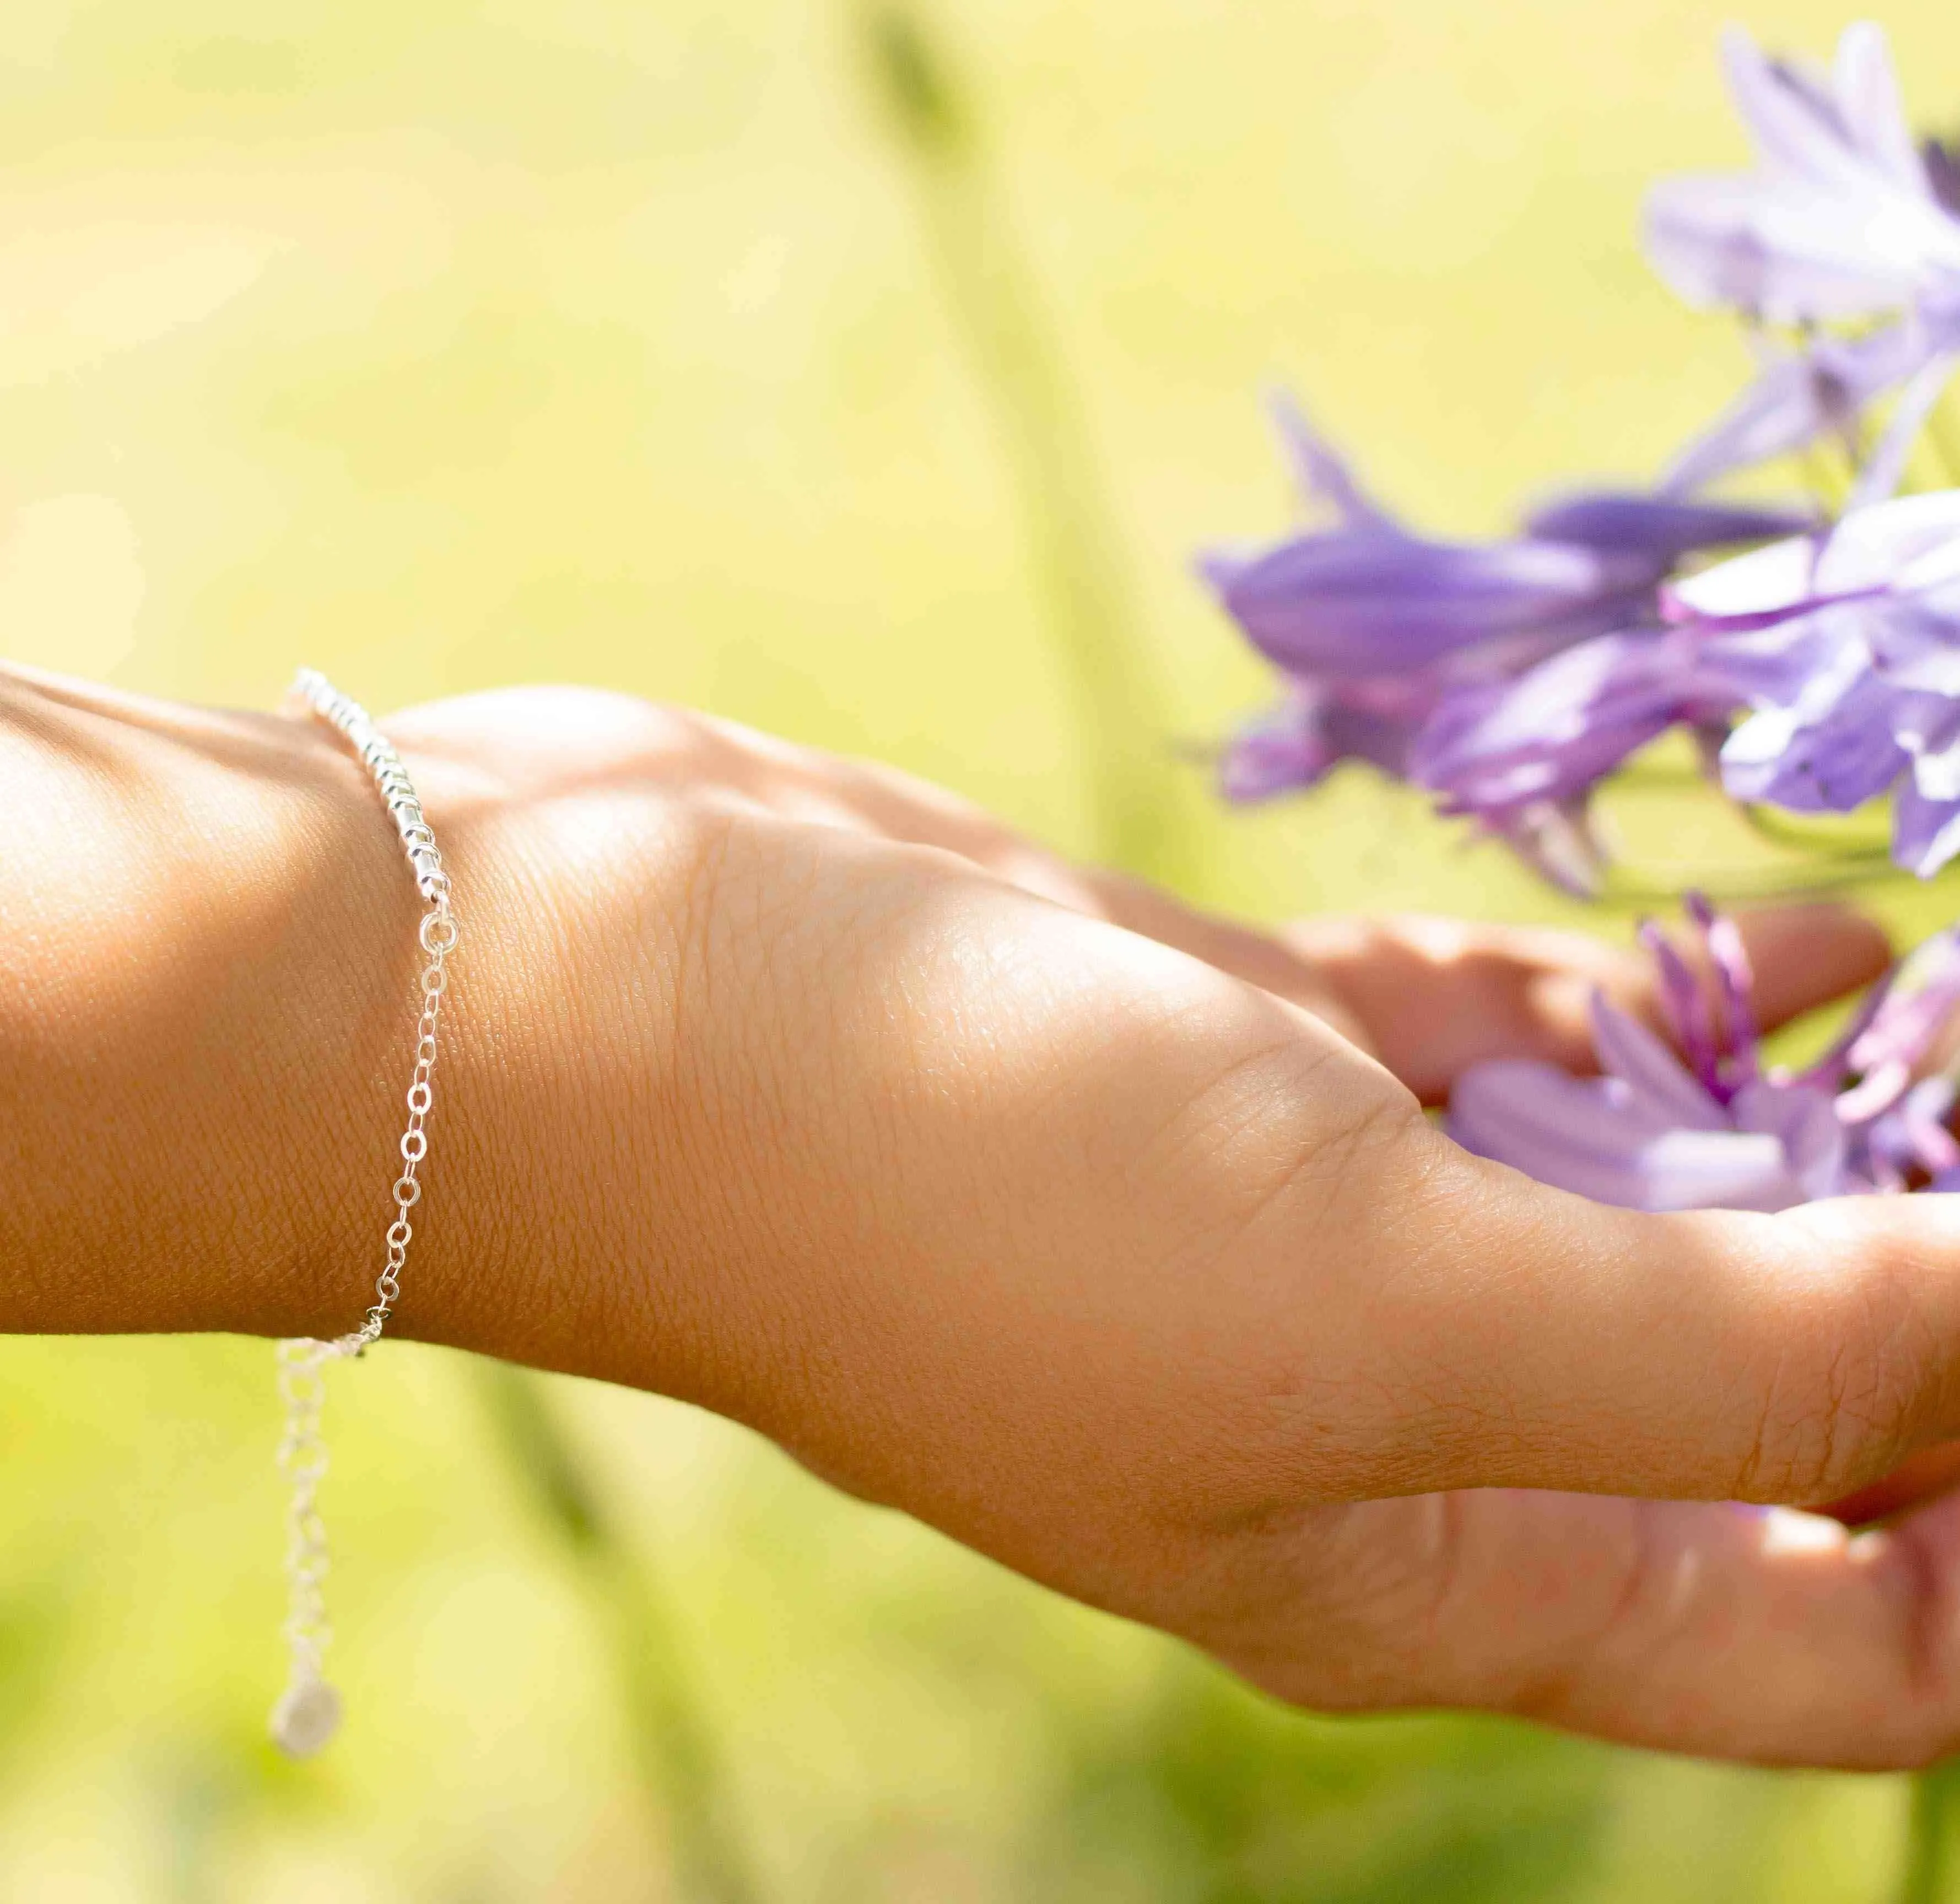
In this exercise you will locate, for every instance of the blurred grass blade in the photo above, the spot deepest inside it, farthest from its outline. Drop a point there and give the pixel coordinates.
(1930, 1863)
(680, 1765)
(1122, 714)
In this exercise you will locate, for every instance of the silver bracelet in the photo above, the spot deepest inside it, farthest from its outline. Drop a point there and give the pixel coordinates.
(307, 1712)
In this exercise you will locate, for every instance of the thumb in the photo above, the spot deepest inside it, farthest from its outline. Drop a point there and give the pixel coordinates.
(1708, 1354)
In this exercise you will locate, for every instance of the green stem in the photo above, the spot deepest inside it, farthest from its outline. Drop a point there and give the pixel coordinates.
(681, 1768)
(1930, 1843)
(1627, 885)
(1122, 724)
(1779, 830)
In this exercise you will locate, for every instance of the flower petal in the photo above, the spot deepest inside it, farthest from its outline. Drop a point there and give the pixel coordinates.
(1295, 745)
(1752, 590)
(1794, 252)
(1926, 832)
(1661, 528)
(1805, 1124)
(1798, 396)
(1362, 601)
(1281, 750)
(1630, 1052)
(1582, 1134)
(1868, 95)
(1838, 221)
(1791, 110)
(1885, 466)
(1321, 472)
(1943, 173)
(1830, 753)
(1594, 1136)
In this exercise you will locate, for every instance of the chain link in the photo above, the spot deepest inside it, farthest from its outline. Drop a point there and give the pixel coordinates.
(309, 1710)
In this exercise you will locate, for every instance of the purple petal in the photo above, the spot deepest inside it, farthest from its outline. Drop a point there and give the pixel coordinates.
(1750, 591)
(1885, 466)
(1792, 112)
(1561, 725)
(1813, 759)
(1662, 528)
(1868, 96)
(1629, 1051)
(1805, 1124)
(1281, 750)
(1773, 667)
(1943, 173)
(1687, 1007)
(1732, 1170)
(1827, 1073)
(1556, 840)
(1916, 1134)
(1730, 958)
(1320, 473)
(1798, 397)
(1582, 1134)
(1361, 602)
(1792, 251)
(1926, 833)
(1913, 1010)
(1596, 1137)
(1295, 745)
(1927, 726)
(1910, 543)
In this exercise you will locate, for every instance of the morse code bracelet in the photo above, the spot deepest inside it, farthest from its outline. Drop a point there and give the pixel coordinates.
(308, 1711)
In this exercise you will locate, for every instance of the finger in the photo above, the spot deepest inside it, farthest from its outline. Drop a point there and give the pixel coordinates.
(1709, 1354)
(1436, 996)
(1807, 955)
(1921, 1477)
(1759, 1634)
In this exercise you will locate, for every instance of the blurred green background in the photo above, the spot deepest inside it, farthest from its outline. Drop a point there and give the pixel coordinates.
(867, 376)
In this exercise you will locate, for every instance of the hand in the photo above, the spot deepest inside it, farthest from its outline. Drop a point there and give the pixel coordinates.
(1081, 1226)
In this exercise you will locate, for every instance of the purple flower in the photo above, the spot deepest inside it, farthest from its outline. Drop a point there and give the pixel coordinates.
(1560, 728)
(1842, 650)
(1709, 1128)
(1316, 725)
(1867, 621)
(1383, 635)
(1365, 598)
(1843, 217)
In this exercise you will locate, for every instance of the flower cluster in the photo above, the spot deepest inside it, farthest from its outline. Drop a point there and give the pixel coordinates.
(1812, 652)
(1704, 1125)
(1817, 670)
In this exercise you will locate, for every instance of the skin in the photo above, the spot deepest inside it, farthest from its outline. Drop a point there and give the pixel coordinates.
(1108, 1237)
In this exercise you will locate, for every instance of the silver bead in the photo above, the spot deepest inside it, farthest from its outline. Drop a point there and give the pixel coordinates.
(307, 1716)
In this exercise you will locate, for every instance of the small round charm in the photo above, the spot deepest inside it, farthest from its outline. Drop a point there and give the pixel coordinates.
(307, 1716)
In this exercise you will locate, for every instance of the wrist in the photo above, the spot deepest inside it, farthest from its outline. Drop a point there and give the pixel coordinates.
(207, 964)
